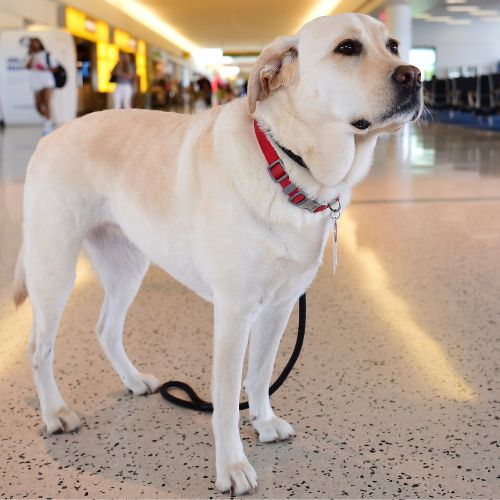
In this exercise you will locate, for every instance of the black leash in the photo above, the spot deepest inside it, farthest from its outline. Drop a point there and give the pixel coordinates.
(199, 404)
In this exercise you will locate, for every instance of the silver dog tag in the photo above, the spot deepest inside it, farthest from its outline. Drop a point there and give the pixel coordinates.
(334, 246)
(335, 214)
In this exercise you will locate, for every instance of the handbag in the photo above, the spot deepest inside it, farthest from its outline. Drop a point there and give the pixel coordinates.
(59, 73)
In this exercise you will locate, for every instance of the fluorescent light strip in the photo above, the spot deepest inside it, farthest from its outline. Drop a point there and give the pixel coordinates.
(462, 8)
(458, 22)
(150, 20)
(484, 13)
(439, 19)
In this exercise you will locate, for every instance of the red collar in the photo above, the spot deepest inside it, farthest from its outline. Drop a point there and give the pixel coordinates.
(278, 173)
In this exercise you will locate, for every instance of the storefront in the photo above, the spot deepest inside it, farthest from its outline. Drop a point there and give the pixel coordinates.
(169, 77)
(163, 86)
(94, 54)
(97, 56)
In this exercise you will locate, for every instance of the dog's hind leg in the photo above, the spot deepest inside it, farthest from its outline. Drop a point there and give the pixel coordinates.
(264, 342)
(120, 266)
(50, 262)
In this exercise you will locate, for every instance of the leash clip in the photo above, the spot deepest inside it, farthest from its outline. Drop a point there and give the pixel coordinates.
(335, 209)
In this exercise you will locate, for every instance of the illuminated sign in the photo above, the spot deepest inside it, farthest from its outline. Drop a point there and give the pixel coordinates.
(80, 25)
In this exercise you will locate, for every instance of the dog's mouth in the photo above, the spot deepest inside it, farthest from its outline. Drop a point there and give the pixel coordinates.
(410, 108)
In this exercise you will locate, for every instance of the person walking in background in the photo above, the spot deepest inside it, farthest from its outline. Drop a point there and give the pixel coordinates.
(124, 76)
(42, 80)
(205, 89)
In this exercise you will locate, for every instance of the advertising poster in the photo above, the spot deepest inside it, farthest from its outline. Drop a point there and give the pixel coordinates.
(16, 94)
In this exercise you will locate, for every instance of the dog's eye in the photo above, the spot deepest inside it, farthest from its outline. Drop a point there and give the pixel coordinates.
(393, 46)
(349, 48)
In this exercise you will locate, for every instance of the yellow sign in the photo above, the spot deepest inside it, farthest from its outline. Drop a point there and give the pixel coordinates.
(82, 26)
(141, 66)
(79, 24)
(124, 41)
(107, 57)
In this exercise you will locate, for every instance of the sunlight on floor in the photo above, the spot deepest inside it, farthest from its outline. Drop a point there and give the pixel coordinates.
(427, 354)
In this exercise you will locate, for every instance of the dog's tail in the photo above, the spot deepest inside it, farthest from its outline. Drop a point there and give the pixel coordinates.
(19, 290)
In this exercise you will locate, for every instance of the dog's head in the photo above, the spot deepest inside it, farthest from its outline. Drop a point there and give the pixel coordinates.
(343, 69)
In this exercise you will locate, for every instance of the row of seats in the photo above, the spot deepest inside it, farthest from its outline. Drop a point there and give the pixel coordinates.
(478, 94)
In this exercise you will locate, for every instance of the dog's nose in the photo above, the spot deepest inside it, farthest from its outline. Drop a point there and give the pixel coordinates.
(408, 76)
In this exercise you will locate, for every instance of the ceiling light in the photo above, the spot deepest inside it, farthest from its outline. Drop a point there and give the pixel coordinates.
(484, 13)
(439, 19)
(322, 8)
(455, 1)
(207, 57)
(150, 20)
(462, 8)
(228, 72)
(423, 15)
(458, 22)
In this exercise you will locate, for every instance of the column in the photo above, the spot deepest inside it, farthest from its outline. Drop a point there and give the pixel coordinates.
(399, 23)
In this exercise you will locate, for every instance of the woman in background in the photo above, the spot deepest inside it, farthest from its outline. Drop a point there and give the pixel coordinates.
(42, 80)
(123, 75)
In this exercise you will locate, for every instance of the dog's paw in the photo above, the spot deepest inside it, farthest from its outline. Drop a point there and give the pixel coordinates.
(238, 478)
(145, 384)
(63, 420)
(273, 429)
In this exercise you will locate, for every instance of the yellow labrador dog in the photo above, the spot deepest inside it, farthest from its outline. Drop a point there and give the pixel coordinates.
(235, 203)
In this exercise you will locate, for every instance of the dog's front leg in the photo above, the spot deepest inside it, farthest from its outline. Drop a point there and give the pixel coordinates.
(264, 342)
(231, 330)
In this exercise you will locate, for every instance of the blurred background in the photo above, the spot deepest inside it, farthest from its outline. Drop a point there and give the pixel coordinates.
(396, 393)
(175, 46)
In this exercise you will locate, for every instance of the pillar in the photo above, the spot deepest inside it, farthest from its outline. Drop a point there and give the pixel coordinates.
(399, 23)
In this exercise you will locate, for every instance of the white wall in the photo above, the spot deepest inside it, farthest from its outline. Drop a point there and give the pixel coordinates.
(36, 11)
(10, 21)
(477, 44)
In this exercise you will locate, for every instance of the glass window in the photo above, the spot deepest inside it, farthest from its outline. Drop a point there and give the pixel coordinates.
(424, 58)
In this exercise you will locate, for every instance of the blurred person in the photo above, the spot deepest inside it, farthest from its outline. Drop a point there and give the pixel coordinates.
(192, 96)
(158, 90)
(205, 88)
(42, 80)
(124, 75)
(227, 93)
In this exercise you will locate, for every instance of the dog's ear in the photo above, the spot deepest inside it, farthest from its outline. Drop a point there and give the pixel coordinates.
(274, 68)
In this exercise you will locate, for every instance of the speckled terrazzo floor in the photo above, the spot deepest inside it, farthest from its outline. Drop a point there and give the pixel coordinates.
(396, 393)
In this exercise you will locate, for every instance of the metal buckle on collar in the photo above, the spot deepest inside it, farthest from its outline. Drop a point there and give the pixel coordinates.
(310, 205)
(269, 169)
(300, 203)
